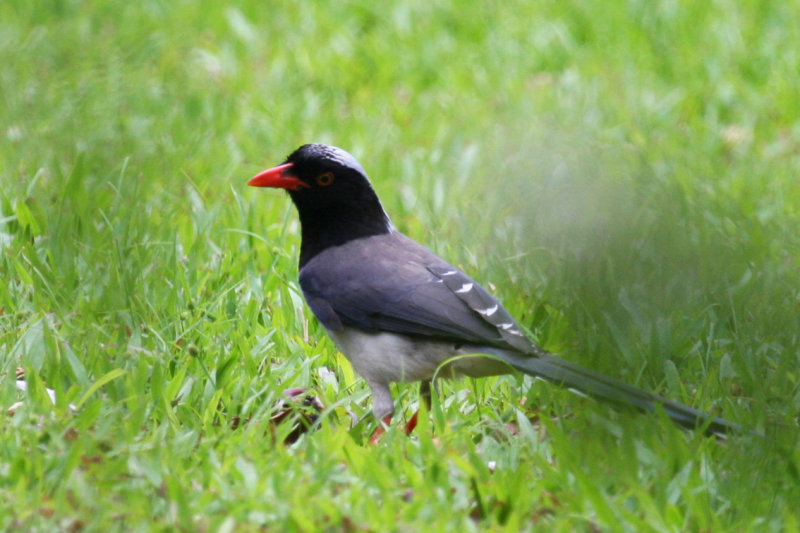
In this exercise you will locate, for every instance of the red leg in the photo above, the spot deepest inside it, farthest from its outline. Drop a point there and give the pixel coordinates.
(380, 430)
(412, 423)
(425, 395)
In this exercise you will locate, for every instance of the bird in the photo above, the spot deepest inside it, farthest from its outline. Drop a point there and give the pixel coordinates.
(401, 313)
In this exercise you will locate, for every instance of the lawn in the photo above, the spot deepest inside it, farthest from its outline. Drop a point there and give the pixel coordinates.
(622, 175)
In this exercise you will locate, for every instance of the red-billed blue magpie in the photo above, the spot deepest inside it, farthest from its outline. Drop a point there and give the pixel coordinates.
(399, 312)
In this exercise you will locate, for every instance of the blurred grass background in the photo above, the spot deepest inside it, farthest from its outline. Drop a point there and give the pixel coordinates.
(622, 175)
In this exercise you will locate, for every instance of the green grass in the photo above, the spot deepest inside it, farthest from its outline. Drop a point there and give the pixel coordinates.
(622, 175)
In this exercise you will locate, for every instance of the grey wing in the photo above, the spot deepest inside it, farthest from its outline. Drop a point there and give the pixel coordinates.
(480, 301)
(394, 284)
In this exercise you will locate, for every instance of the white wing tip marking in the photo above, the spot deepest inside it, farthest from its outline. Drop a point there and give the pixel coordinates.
(489, 311)
(449, 273)
(464, 288)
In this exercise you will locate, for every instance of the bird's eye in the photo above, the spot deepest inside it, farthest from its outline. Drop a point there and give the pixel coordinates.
(325, 179)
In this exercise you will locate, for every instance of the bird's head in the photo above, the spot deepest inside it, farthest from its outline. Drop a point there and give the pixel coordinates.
(317, 174)
(332, 193)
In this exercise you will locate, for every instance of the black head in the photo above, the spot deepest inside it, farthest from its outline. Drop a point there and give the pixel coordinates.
(333, 196)
(311, 158)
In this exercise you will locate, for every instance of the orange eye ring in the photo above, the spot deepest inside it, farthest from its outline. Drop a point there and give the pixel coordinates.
(325, 179)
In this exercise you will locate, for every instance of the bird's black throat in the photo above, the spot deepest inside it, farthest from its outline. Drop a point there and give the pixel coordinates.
(332, 224)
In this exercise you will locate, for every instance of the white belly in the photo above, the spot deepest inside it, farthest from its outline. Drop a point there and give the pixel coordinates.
(386, 357)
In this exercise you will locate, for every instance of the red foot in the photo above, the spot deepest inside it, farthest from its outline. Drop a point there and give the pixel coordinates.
(412, 423)
(380, 430)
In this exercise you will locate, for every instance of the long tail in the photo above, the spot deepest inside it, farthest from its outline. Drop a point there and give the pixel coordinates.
(570, 375)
